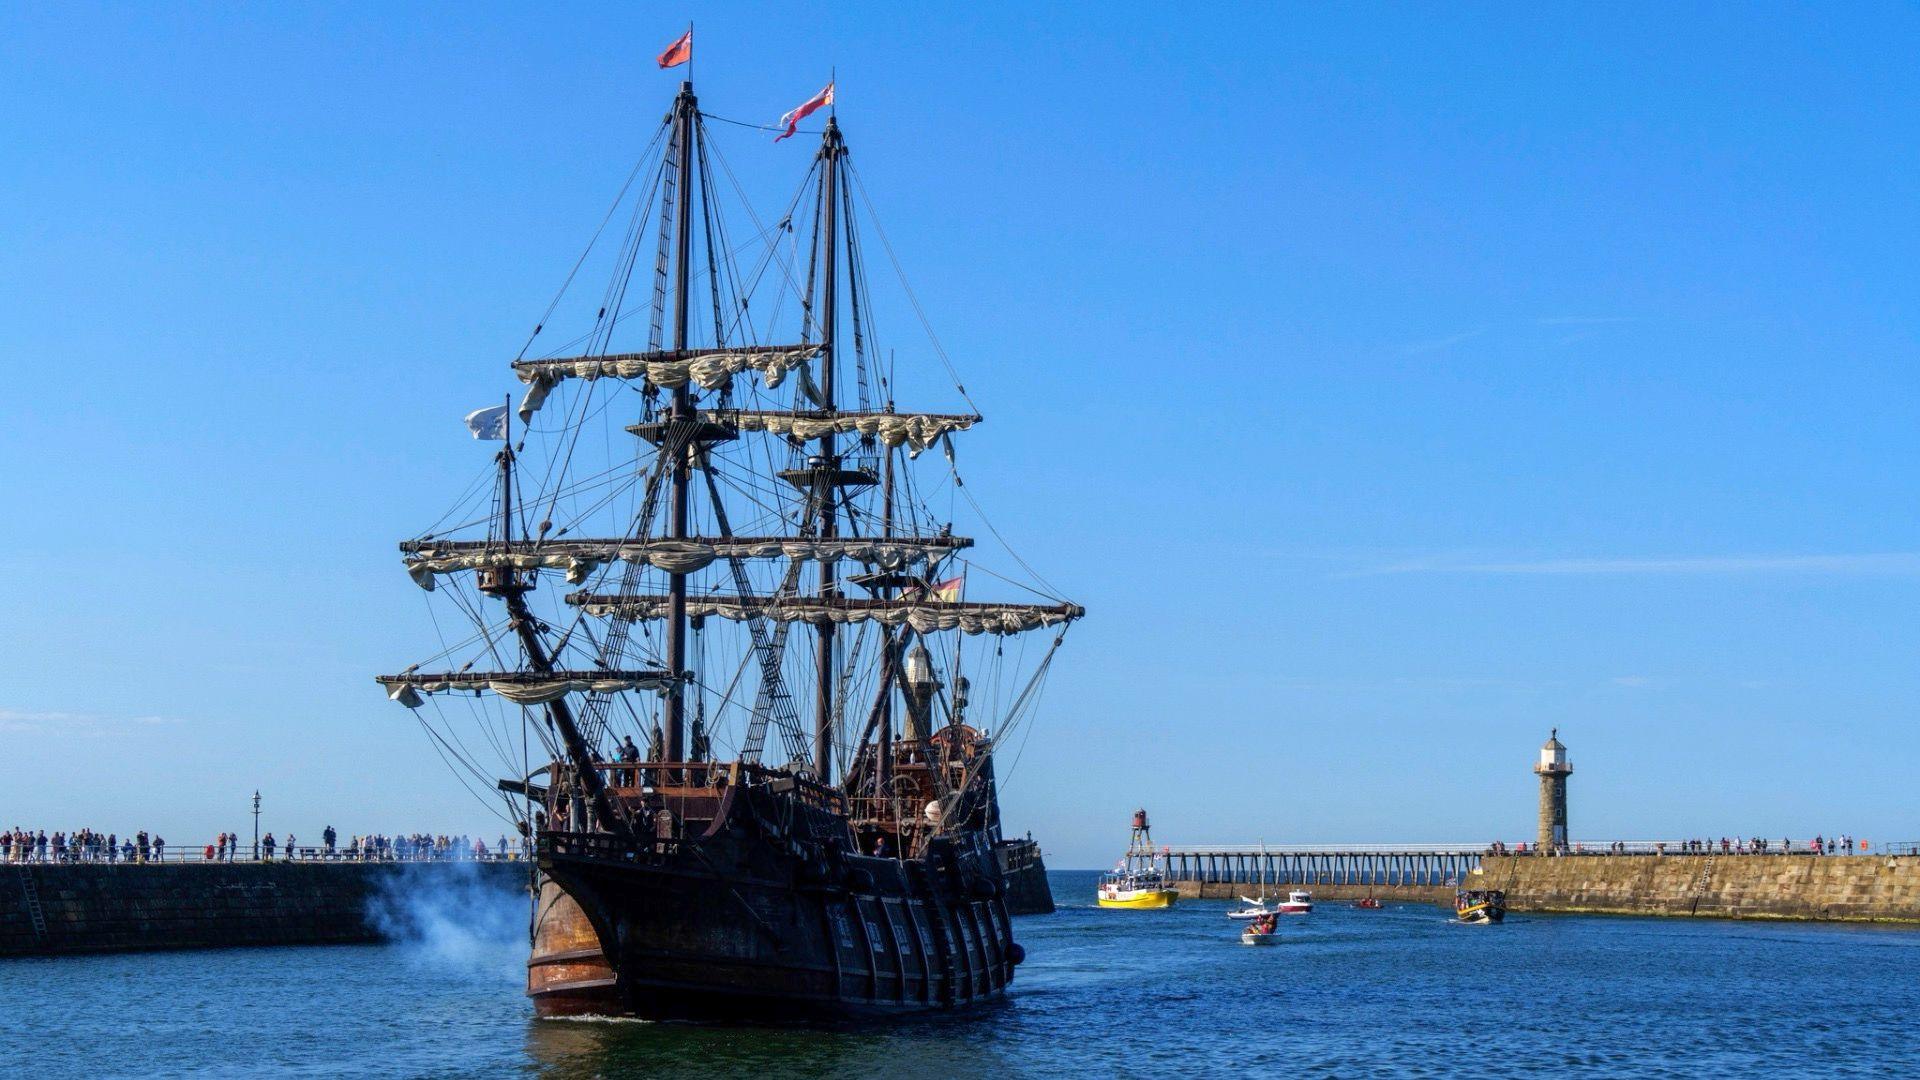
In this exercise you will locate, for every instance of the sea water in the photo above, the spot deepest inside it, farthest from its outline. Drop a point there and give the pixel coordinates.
(1403, 991)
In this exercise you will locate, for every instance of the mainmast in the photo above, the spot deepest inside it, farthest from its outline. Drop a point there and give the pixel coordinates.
(681, 421)
(827, 467)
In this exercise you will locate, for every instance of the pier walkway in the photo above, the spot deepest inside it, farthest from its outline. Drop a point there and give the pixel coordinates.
(1423, 866)
(1433, 865)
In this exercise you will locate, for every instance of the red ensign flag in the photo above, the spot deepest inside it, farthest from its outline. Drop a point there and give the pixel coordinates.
(679, 52)
(792, 119)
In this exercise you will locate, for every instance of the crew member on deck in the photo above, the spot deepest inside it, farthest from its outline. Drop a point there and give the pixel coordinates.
(629, 752)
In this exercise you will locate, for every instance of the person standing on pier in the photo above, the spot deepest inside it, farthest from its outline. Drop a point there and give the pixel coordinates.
(289, 847)
(266, 845)
(329, 836)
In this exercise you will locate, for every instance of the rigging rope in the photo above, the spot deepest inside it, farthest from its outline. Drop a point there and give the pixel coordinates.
(617, 200)
(912, 297)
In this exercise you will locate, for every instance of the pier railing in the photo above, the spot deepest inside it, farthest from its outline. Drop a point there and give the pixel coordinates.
(1235, 849)
(1701, 846)
(1746, 846)
(1412, 865)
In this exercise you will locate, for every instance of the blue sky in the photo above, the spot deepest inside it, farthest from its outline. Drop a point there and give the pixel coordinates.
(1391, 385)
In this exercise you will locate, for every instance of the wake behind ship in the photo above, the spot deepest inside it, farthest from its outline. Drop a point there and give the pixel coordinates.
(811, 829)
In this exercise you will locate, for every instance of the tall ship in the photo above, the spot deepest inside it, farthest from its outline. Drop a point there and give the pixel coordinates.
(710, 605)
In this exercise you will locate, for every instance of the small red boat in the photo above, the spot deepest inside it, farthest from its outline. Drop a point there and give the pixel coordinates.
(1367, 902)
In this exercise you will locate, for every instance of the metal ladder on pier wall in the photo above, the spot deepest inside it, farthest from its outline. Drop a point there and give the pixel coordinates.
(32, 894)
(1700, 886)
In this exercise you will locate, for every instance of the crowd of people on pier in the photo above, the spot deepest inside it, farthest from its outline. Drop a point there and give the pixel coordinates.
(1843, 844)
(19, 845)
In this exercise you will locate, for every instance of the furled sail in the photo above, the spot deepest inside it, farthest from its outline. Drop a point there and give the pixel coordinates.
(519, 687)
(580, 558)
(915, 431)
(924, 616)
(709, 369)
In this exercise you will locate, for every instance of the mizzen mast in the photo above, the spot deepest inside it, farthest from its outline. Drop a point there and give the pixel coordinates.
(506, 583)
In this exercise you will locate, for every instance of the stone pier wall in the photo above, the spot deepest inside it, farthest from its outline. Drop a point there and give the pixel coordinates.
(125, 907)
(1864, 888)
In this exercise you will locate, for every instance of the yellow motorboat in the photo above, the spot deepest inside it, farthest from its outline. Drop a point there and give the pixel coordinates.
(1136, 889)
(1480, 906)
(1137, 880)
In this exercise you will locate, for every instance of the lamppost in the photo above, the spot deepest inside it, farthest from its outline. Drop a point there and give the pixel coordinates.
(256, 825)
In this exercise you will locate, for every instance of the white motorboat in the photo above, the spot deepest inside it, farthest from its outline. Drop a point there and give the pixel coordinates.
(1298, 902)
(1253, 909)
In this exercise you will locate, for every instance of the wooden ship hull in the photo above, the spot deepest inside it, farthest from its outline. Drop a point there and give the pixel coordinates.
(734, 926)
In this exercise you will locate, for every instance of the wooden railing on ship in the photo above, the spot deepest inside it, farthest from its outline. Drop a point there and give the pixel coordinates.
(640, 776)
(607, 846)
(1017, 855)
